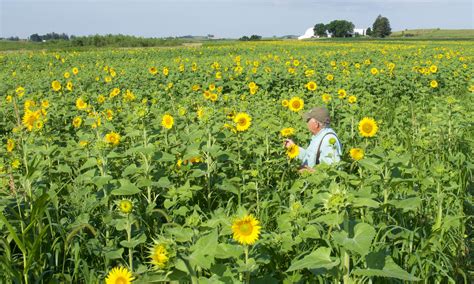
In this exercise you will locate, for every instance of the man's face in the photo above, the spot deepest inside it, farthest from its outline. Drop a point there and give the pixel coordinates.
(313, 125)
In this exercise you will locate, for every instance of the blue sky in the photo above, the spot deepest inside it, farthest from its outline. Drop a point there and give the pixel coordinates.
(224, 18)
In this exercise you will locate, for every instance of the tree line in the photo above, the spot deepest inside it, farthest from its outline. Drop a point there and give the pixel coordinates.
(342, 28)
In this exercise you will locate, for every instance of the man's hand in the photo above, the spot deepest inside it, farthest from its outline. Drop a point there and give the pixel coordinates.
(289, 143)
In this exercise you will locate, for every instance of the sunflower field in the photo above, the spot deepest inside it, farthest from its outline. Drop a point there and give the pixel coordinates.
(167, 164)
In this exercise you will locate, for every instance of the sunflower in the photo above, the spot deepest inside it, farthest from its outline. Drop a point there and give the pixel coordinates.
(100, 99)
(246, 230)
(67, 75)
(69, 86)
(253, 91)
(125, 206)
(213, 97)
(165, 71)
(434, 84)
(75, 70)
(10, 145)
(252, 85)
(112, 138)
(152, 70)
(159, 255)
(56, 85)
(292, 151)
(284, 103)
(433, 68)
(29, 119)
(196, 88)
(326, 98)
(28, 104)
(286, 132)
(20, 91)
(45, 104)
(243, 121)
(311, 86)
(129, 96)
(16, 164)
(39, 124)
(296, 104)
(167, 121)
(368, 127)
(200, 112)
(356, 154)
(81, 104)
(342, 93)
(352, 99)
(374, 71)
(119, 275)
(207, 95)
(115, 92)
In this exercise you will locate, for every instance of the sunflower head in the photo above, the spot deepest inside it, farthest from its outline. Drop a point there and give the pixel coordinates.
(284, 103)
(159, 255)
(56, 86)
(293, 151)
(356, 154)
(10, 145)
(296, 104)
(368, 127)
(112, 138)
(288, 131)
(167, 121)
(311, 86)
(119, 275)
(125, 206)
(246, 230)
(242, 121)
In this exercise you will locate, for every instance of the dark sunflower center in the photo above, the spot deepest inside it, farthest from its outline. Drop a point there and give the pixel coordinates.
(246, 229)
(367, 127)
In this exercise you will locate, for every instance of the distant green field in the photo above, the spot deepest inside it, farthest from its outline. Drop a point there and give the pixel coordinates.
(435, 33)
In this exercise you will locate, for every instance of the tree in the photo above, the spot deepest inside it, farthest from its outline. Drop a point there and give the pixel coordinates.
(244, 38)
(255, 37)
(381, 27)
(368, 31)
(320, 30)
(340, 28)
(35, 38)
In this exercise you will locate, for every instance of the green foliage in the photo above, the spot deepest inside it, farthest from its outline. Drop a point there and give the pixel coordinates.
(401, 213)
(381, 27)
(320, 30)
(340, 28)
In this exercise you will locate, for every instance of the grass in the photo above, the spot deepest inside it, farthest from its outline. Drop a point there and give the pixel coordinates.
(435, 34)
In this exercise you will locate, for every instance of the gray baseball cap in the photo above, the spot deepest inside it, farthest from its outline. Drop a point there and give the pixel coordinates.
(321, 114)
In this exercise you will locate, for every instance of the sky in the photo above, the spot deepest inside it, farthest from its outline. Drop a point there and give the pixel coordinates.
(224, 18)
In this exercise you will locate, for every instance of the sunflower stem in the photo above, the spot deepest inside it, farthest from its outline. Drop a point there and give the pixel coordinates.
(129, 238)
(247, 273)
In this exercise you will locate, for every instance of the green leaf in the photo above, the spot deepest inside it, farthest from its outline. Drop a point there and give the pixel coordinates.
(378, 266)
(126, 188)
(114, 254)
(134, 242)
(319, 258)
(360, 243)
(224, 251)
(204, 251)
(365, 202)
(408, 204)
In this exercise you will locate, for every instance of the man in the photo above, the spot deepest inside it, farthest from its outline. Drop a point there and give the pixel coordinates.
(324, 146)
